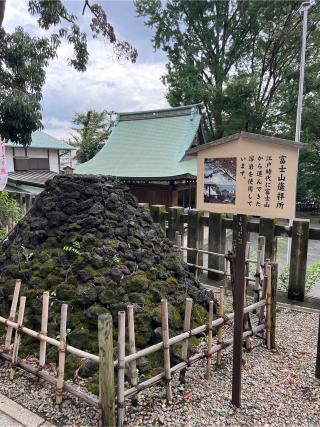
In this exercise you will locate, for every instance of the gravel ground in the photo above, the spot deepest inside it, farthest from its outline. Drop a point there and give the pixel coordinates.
(278, 389)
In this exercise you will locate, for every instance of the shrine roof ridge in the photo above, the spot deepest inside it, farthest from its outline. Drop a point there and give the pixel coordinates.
(250, 136)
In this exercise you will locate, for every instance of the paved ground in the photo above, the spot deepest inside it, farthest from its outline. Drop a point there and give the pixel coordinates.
(14, 415)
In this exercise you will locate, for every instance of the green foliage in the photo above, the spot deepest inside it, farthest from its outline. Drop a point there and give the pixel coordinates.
(9, 210)
(241, 59)
(92, 132)
(308, 189)
(312, 277)
(23, 60)
(74, 249)
(26, 253)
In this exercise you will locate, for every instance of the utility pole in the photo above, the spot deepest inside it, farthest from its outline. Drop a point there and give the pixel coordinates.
(305, 8)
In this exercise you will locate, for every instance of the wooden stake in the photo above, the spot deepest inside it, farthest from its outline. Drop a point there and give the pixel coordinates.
(17, 337)
(186, 328)
(121, 365)
(62, 352)
(209, 351)
(106, 371)
(268, 307)
(132, 348)
(12, 315)
(166, 349)
(221, 328)
(44, 328)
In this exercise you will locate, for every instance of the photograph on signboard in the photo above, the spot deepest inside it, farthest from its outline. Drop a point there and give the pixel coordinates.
(220, 180)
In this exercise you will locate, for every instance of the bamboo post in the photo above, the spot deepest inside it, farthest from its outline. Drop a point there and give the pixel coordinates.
(216, 243)
(175, 221)
(274, 282)
(12, 314)
(121, 365)
(259, 264)
(17, 337)
(106, 370)
(44, 328)
(268, 307)
(298, 259)
(209, 352)
(62, 353)
(166, 349)
(261, 315)
(132, 348)
(221, 328)
(185, 343)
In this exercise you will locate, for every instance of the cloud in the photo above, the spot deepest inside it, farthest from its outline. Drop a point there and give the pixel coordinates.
(107, 84)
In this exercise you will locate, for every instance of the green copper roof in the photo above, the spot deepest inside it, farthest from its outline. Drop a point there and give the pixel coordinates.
(43, 140)
(148, 144)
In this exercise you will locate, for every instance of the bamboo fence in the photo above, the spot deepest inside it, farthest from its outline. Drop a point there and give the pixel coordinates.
(111, 397)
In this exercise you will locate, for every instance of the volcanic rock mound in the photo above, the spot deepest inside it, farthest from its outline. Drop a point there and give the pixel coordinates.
(88, 242)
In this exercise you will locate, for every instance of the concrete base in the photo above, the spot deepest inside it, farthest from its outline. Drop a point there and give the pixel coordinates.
(14, 415)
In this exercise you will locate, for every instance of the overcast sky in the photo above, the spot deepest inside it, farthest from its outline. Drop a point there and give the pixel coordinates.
(106, 84)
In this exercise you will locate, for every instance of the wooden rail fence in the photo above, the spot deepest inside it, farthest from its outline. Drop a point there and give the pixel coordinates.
(112, 397)
(194, 222)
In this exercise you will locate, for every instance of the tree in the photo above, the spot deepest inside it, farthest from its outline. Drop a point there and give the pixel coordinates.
(240, 58)
(23, 60)
(9, 211)
(95, 128)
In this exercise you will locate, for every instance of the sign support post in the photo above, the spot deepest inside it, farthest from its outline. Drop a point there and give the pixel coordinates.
(318, 354)
(239, 253)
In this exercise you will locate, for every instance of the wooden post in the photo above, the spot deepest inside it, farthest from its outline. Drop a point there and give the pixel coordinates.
(174, 222)
(220, 329)
(132, 348)
(166, 349)
(185, 343)
(106, 370)
(298, 259)
(266, 229)
(261, 313)
(44, 328)
(62, 353)
(209, 352)
(268, 307)
(121, 365)
(157, 212)
(17, 337)
(145, 205)
(216, 243)
(246, 320)
(274, 283)
(12, 314)
(318, 354)
(239, 251)
(259, 265)
(193, 236)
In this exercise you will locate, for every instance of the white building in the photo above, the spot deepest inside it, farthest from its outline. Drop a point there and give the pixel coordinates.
(30, 167)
